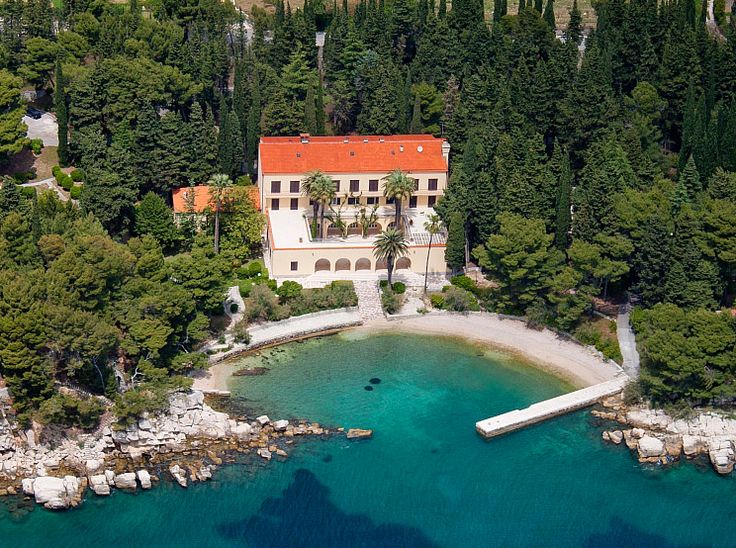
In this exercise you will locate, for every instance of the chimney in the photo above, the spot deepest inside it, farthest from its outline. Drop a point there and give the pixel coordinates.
(304, 138)
(446, 151)
(401, 148)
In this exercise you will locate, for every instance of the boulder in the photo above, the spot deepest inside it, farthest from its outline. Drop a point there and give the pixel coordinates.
(637, 433)
(241, 430)
(673, 446)
(145, 478)
(126, 481)
(51, 492)
(98, 484)
(722, 461)
(280, 426)
(650, 447)
(616, 436)
(264, 453)
(691, 446)
(27, 485)
(263, 420)
(93, 465)
(110, 477)
(359, 433)
(178, 474)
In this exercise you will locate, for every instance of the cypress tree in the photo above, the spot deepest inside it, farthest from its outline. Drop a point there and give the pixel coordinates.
(522, 6)
(310, 113)
(62, 115)
(574, 32)
(538, 5)
(416, 116)
(562, 205)
(442, 11)
(320, 111)
(690, 179)
(549, 14)
(253, 125)
(455, 250)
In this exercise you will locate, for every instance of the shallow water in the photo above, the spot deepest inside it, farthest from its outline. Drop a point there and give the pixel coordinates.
(424, 479)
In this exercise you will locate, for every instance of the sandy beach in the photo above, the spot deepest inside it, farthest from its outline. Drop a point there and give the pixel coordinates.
(543, 349)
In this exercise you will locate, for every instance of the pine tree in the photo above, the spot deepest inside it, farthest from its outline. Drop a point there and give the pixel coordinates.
(62, 115)
(549, 14)
(455, 250)
(689, 180)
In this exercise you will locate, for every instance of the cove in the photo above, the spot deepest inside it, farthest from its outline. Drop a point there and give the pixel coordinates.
(424, 479)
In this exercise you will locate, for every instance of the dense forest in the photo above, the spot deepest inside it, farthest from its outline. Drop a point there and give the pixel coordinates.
(582, 168)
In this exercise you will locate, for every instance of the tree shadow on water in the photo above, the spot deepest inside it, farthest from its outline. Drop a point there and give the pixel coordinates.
(621, 533)
(304, 516)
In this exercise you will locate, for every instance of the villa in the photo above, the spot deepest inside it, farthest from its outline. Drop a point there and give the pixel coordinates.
(358, 166)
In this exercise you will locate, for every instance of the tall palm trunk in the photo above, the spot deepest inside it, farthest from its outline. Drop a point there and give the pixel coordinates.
(397, 219)
(315, 216)
(390, 268)
(426, 268)
(323, 233)
(217, 226)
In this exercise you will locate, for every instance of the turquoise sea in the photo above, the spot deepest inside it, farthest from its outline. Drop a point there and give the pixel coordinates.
(424, 479)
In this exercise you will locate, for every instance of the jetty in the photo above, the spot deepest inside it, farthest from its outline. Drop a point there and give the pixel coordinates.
(547, 409)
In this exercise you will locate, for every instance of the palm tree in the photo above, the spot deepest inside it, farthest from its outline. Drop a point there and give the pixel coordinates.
(218, 185)
(433, 225)
(321, 190)
(389, 246)
(399, 186)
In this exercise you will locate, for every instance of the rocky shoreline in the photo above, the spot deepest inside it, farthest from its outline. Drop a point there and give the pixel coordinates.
(188, 442)
(657, 437)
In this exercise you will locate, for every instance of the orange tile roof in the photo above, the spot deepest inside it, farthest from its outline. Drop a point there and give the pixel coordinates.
(202, 198)
(351, 154)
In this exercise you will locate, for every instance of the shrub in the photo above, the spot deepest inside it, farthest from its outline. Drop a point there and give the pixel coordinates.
(240, 332)
(263, 304)
(437, 300)
(36, 146)
(28, 191)
(233, 308)
(464, 282)
(245, 286)
(71, 411)
(338, 294)
(399, 288)
(55, 171)
(66, 183)
(383, 284)
(21, 177)
(289, 290)
(244, 180)
(76, 192)
(459, 300)
(77, 175)
(537, 315)
(59, 175)
(253, 269)
(391, 301)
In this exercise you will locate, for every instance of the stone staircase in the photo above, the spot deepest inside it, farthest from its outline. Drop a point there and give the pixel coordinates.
(369, 299)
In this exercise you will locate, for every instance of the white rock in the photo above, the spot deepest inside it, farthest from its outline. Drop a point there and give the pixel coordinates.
(263, 420)
(637, 433)
(649, 447)
(178, 474)
(264, 453)
(691, 445)
(110, 477)
(125, 481)
(241, 430)
(145, 478)
(93, 465)
(144, 424)
(51, 492)
(280, 426)
(27, 484)
(616, 436)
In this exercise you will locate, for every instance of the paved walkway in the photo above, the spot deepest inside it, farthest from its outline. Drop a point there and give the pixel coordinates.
(627, 343)
(369, 300)
(50, 184)
(233, 297)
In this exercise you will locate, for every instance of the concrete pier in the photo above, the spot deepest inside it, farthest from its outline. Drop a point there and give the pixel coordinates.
(519, 418)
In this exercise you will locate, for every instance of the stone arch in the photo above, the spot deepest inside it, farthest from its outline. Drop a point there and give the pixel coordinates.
(403, 263)
(374, 228)
(342, 264)
(392, 224)
(363, 264)
(322, 264)
(381, 265)
(354, 228)
(333, 230)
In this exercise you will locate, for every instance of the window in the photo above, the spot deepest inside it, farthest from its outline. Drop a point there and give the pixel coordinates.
(372, 200)
(275, 204)
(353, 200)
(354, 185)
(431, 200)
(432, 184)
(373, 185)
(294, 265)
(294, 186)
(336, 201)
(413, 202)
(337, 186)
(294, 204)
(390, 200)
(275, 186)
